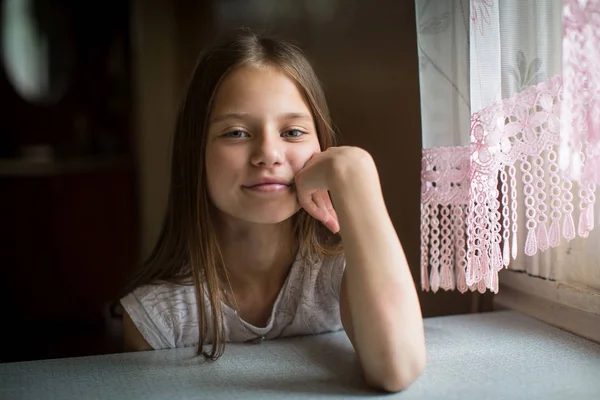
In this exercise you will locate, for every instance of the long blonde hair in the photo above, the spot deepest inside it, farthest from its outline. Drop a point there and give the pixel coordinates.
(187, 250)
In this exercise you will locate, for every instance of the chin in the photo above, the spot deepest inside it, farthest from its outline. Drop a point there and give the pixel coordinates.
(274, 211)
(271, 214)
(270, 217)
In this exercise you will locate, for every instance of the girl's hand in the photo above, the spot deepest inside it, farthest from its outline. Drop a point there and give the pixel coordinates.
(314, 180)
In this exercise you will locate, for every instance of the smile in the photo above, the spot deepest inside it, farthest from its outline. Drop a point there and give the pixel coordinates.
(268, 188)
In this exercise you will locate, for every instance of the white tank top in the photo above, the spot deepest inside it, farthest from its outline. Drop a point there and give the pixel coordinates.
(308, 303)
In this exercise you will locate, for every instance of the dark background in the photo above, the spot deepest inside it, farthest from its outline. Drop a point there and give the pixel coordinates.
(74, 223)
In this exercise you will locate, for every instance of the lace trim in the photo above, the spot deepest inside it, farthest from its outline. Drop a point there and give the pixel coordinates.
(470, 196)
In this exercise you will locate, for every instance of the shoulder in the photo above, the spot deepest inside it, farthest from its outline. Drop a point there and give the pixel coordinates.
(333, 267)
(158, 310)
(160, 296)
(324, 273)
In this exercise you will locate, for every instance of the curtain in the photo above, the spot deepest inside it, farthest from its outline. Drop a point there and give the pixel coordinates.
(510, 112)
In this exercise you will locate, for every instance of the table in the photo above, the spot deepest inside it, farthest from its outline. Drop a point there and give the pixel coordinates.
(495, 355)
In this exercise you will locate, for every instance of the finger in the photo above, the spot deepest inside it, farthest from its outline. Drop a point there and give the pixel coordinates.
(308, 204)
(322, 200)
(330, 208)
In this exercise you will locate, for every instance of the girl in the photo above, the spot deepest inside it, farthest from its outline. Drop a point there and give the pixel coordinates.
(251, 247)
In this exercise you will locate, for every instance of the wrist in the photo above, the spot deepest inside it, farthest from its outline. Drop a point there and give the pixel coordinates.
(353, 170)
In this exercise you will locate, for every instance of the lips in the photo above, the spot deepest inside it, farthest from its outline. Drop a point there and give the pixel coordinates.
(268, 181)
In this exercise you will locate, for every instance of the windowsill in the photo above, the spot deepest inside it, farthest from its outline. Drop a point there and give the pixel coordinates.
(574, 309)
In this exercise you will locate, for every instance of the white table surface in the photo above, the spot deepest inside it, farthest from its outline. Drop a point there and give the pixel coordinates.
(497, 355)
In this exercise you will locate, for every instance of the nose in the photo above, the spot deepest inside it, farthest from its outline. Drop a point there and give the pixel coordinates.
(268, 150)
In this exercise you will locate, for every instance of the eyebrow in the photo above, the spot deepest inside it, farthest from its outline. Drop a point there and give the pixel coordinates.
(245, 116)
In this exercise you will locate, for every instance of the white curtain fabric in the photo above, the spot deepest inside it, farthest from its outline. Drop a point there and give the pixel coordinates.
(510, 102)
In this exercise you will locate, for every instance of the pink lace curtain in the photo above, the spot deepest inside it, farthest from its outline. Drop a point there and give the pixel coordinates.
(510, 104)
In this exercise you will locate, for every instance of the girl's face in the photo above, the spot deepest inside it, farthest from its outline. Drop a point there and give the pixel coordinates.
(260, 134)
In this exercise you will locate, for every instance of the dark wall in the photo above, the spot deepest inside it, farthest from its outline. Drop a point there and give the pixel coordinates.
(68, 216)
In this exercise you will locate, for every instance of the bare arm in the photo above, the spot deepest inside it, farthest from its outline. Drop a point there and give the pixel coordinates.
(132, 338)
(379, 306)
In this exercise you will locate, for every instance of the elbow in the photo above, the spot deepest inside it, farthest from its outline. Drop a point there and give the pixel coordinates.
(397, 377)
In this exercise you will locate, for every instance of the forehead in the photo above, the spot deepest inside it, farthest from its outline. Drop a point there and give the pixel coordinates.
(258, 90)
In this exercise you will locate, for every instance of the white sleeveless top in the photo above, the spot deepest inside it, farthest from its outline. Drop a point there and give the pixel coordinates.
(308, 303)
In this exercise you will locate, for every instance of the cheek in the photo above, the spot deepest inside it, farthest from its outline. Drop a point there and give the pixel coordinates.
(302, 155)
(225, 166)
(220, 169)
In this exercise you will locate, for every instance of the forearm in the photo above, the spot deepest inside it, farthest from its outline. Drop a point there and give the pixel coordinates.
(386, 317)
